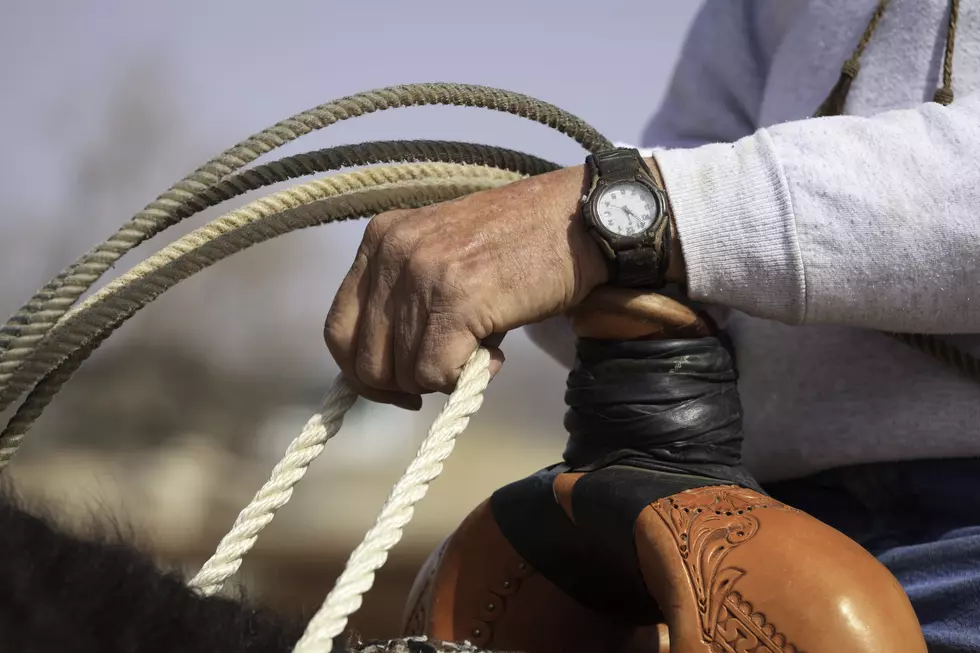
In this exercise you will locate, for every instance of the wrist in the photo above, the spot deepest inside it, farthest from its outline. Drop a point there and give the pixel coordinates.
(677, 270)
(591, 266)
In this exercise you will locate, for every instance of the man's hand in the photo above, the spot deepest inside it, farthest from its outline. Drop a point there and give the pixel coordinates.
(428, 285)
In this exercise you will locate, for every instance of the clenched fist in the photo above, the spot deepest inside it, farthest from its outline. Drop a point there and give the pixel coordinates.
(429, 285)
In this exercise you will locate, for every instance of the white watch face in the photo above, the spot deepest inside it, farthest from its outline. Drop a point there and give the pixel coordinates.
(627, 208)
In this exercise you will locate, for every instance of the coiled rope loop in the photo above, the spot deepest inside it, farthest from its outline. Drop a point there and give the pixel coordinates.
(83, 329)
(30, 324)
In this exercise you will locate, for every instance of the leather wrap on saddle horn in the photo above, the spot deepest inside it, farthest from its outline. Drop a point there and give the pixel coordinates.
(651, 536)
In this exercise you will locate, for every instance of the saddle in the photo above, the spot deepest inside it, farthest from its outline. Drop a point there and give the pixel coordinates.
(650, 535)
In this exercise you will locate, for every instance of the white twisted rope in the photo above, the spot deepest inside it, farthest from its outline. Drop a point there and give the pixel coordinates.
(277, 490)
(358, 575)
(371, 554)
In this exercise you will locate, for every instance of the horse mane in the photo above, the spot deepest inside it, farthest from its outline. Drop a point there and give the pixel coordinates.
(61, 592)
(65, 592)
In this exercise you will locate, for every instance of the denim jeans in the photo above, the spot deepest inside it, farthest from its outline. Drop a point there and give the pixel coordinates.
(921, 519)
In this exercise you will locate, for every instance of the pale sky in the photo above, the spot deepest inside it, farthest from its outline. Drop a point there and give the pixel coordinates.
(239, 66)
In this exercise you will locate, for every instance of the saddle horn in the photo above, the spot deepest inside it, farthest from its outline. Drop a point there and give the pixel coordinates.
(651, 536)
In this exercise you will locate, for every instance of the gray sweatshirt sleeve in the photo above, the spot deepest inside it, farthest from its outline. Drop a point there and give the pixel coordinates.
(871, 222)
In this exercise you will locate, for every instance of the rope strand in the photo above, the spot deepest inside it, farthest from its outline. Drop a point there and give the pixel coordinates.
(834, 104)
(944, 94)
(277, 491)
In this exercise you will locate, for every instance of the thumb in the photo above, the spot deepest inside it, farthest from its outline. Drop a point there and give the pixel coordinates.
(497, 359)
(492, 344)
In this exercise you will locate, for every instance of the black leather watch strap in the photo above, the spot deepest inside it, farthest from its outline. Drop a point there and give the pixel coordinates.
(619, 164)
(639, 268)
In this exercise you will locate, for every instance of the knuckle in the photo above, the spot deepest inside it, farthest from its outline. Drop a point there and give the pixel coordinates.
(370, 371)
(426, 255)
(395, 245)
(431, 270)
(431, 377)
(432, 370)
(391, 256)
(377, 227)
(419, 267)
(454, 277)
(449, 269)
(334, 336)
(450, 297)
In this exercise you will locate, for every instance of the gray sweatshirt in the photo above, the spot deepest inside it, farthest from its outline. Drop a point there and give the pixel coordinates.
(809, 236)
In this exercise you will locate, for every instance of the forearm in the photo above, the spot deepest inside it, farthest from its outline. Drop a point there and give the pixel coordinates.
(866, 222)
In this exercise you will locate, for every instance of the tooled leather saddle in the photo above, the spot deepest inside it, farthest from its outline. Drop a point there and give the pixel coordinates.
(650, 535)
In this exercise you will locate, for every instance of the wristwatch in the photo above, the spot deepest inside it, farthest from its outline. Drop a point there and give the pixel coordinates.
(625, 209)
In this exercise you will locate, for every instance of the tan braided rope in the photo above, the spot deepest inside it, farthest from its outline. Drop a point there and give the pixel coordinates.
(39, 314)
(24, 376)
(338, 197)
(292, 167)
(371, 153)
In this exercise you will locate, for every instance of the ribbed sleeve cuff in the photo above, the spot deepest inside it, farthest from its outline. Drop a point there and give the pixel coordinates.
(735, 221)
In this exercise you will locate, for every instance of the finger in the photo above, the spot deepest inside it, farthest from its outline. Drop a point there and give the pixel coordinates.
(375, 364)
(493, 341)
(340, 328)
(445, 347)
(410, 320)
(492, 344)
(341, 336)
(497, 359)
(400, 399)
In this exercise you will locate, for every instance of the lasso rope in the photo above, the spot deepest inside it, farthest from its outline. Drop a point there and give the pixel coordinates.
(81, 330)
(47, 340)
(29, 325)
(20, 379)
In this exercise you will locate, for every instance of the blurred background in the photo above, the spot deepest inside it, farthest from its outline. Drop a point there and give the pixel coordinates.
(175, 423)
